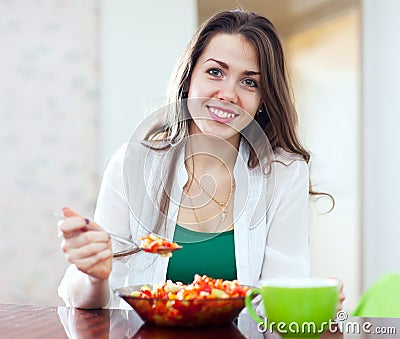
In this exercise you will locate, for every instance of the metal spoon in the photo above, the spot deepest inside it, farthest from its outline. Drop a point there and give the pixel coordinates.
(135, 248)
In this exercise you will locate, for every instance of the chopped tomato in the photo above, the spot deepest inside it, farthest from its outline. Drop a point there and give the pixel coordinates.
(202, 287)
(152, 243)
(204, 300)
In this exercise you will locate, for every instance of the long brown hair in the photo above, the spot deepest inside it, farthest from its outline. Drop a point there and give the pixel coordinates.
(278, 117)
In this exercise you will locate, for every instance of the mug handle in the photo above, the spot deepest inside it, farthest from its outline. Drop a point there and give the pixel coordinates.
(249, 297)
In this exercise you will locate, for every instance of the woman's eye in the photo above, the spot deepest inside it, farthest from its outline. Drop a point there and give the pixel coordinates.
(250, 83)
(215, 72)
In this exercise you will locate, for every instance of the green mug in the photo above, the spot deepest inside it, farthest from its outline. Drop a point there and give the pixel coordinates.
(296, 307)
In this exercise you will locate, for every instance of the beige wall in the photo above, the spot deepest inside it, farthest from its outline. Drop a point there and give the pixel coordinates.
(381, 137)
(325, 65)
(48, 137)
(56, 132)
(139, 49)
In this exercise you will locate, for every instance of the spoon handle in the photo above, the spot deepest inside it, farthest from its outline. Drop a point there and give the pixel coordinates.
(134, 248)
(121, 239)
(115, 237)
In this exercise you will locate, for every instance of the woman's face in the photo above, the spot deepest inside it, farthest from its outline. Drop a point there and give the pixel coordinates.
(226, 82)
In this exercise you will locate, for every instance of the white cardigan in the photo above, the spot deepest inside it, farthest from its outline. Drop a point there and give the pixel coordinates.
(270, 216)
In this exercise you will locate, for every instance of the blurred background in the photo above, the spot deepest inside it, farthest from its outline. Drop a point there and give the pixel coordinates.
(76, 77)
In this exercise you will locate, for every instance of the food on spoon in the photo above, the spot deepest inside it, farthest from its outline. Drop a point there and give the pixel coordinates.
(154, 244)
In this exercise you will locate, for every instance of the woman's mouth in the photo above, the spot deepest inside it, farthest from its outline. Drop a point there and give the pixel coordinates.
(220, 114)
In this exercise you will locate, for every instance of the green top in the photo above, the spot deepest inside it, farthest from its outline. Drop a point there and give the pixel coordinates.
(212, 254)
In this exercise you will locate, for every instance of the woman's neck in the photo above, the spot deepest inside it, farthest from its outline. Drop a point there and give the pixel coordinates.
(208, 153)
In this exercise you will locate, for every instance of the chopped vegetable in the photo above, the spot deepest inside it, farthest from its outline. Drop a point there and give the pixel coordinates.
(204, 301)
(202, 287)
(154, 244)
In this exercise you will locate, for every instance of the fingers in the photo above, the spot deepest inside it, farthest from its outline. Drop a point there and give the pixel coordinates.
(97, 266)
(342, 298)
(342, 295)
(71, 225)
(100, 270)
(91, 252)
(70, 213)
(86, 244)
(82, 239)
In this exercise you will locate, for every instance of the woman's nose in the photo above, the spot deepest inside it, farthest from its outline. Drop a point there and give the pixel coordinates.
(228, 92)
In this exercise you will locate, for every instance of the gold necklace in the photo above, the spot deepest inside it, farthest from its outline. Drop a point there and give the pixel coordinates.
(223, 204)
(197, 218)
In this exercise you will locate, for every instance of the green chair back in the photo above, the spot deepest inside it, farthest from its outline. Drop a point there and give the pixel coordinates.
(382, 299)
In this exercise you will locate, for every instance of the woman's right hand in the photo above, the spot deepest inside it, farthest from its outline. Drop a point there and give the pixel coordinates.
(89, 250)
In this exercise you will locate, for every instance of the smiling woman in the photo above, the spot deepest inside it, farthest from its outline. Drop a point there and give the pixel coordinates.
(226, 76)
(221, 162)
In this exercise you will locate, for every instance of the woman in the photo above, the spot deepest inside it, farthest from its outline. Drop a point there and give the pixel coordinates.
(224, 173)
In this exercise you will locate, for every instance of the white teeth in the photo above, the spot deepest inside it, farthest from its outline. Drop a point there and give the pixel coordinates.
(221, 114)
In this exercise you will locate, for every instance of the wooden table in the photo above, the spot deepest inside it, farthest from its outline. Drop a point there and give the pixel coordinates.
(27, 321)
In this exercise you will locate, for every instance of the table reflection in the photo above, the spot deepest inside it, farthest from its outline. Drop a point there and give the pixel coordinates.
(148, 331)
(35, 321)
(127, 324)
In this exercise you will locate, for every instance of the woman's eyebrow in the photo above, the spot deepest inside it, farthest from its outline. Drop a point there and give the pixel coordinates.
(251, 73)
(226, 66)
(221, 63)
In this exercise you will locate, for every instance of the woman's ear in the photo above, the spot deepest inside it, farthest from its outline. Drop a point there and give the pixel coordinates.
(186, 86)
(185, 90)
